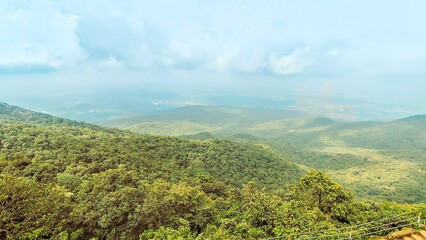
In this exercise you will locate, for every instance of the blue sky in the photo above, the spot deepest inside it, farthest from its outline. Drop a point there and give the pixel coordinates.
(372, 51)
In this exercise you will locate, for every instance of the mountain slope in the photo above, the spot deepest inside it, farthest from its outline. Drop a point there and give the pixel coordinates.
(13, 113)
(65, 181)
(108, 183)
(96, 149)
(381, 160)
(384, 160)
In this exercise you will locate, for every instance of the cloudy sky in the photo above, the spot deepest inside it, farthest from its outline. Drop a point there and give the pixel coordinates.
(54, 54)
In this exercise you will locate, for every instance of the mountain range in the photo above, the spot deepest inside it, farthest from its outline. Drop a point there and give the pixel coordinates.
(378, 159)
(64, 179)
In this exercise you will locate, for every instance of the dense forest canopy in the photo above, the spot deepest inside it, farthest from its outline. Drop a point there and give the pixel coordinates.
(375, 159)
(63, 179)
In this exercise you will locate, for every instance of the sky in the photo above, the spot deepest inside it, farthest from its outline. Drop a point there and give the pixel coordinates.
(98, 59)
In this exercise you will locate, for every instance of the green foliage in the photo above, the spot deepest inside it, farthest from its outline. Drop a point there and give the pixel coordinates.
(199, 136)
(317, 190)
(30, 210)
(183, 232)
(376, 160)
(351, 152)
(61, 179)
(18, 114)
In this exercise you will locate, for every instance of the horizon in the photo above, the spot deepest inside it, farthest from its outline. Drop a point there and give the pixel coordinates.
(99, 60)
(140, 116)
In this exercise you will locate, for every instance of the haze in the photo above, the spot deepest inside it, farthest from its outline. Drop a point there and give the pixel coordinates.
(97, 60)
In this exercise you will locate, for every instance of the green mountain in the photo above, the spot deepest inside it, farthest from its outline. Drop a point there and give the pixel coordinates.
(382, 160)
(61, 179)
(379, 160)
(414, 118)
(175, 157)
(195, 119)
(15, 113)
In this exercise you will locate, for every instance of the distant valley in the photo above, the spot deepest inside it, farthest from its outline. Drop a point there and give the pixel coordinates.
(381, 160)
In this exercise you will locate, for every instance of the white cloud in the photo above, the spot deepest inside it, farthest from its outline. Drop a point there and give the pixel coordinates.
(110, 62)
(293, 63)
(35, 33)
(221, 63)
(334, 52)
(216, 36)
(177, 55)
(213, 36)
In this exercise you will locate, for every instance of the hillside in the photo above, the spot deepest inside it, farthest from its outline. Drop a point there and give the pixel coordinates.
(36, 149)
(379, 160)
(182, 157)
(15, 113)
(81, 181)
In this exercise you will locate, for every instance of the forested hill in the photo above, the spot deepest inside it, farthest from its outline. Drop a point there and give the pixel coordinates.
(170, 157)
(377, 160)
(93, 162)
(13, 113)
(62, 179)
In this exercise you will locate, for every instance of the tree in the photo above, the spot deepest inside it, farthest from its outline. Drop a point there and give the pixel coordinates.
(317, 190)
(28, 208)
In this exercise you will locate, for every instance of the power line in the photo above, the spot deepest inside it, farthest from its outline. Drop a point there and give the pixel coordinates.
(352, 231)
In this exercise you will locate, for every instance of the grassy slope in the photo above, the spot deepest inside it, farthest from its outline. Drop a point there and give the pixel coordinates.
(381, 160)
